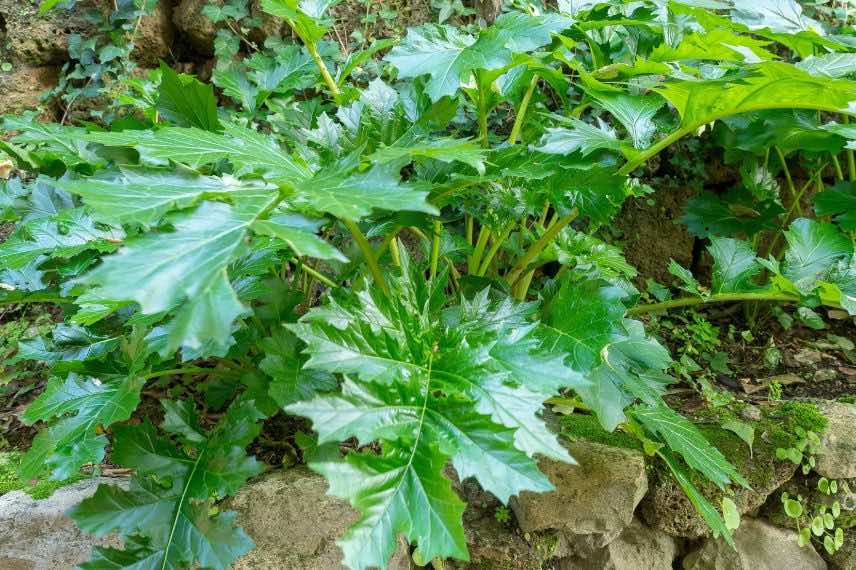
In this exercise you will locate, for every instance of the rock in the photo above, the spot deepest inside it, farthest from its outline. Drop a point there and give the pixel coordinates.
(495, 545)
(294, 523)
(759, 546)
(21, 88)
(845, 558)
(198, 29)
(751, 413)
(596, 496)
(837, 457)
(825, 375)
(38, 40)
(667, 508)
(154, 36)
(637, 547)
(36, 535)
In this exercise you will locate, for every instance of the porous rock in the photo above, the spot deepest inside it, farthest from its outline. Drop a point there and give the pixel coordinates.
(759, 546)
(36, 39)
(637, 547)
(837, 458)
(596, 496)
(154, 35)
(21, 88)
(37, 535)
(198, 30)
(295, 524)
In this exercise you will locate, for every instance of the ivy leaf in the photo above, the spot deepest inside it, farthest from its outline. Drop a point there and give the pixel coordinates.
(684, 438)
(70, 441)
(634, 112)
(168, 502)
(186, 101)
(734, 265)
(583, 137)
(185, 268)
(838, 201)
(144, 196)
(813, 248)
(299, 233)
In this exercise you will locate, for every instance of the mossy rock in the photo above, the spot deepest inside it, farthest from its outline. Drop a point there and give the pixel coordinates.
(9, 480)
(667, 508)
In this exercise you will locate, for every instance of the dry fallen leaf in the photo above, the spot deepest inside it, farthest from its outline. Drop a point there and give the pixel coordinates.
(6, 167)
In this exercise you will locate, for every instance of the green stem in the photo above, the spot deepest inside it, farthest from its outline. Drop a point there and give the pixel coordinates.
(476, 257)
(177, 371)
(319, 276)
(322, 67)
(368, 254)
(791, 188)
(536, 248)
(394, 252)
(786, 221)
(718, 298)
(482, 107)
(435, 249)
(35, 298)
(851, 162)
(521, 111)
(468, 224)
(522, 285)
(839, 174)
(494, 248)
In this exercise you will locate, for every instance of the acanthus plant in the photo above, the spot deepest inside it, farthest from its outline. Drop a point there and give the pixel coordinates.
(380, 258)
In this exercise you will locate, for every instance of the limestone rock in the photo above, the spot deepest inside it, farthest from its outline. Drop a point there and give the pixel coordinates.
(21, 88)
(760, 546)
(598, 495)
(837, 459)
(637, 547)
(36, 534)
(294, 523)
(154, 35)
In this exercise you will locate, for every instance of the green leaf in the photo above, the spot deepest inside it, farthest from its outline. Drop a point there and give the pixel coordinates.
(68, 343)
(684, 438)
(583, 137)
(62, 235)
(46, 6)
(352, 196)
(702, 505)
(248, 151)
(832, 65)
(70, 441)
(450, 57)
(144, 196)
(732, 215)
(785, 16)
(306, 17)
(734, 265)
(813, 248)
(290, 380)
(768, 85)
(585, 321)
(793, 508)
(838, 201)
(634, 112)
(299, 233)
(168, 502)
(742, 430)
(186, 101)
(185, 268)
(443, 149)
(718, 44)
(730, 514)
(466, 384)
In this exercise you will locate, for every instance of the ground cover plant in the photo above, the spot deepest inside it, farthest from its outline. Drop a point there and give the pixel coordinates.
(402, 246)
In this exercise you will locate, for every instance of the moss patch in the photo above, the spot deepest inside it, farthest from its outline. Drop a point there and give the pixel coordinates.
(586, 427)
(781, 422)
(9, 481)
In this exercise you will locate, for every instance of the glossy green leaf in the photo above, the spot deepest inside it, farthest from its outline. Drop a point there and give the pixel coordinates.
(734, 265)
(186, 101)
